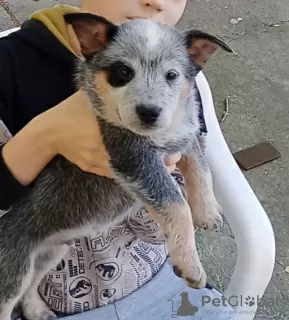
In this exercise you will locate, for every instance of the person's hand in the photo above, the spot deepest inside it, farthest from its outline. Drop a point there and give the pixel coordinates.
(171, 161)
(73, 132)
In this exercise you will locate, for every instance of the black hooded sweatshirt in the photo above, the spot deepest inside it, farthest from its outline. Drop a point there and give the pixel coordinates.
(36, 73)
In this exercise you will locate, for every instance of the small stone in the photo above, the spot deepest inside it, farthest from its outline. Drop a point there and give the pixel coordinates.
(233, 21)
(287, 269)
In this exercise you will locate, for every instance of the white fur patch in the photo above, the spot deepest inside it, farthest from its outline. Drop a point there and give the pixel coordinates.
(152, 35)
(2, 212)
(7, 308)
(34, 308)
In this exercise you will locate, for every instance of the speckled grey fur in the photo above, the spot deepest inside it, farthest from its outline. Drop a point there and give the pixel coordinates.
(64, 202)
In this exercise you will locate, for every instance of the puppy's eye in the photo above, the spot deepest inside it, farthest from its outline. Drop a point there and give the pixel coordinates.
(125, 73)
(119, 74)
(172, 75)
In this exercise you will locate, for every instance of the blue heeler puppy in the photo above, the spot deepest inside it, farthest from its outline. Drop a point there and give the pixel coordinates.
(139, 78)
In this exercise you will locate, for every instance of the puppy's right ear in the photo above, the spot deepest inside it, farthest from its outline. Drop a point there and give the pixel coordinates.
(93, 32)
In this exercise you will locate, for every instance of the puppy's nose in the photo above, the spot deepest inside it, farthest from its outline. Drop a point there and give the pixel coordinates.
(148, 113)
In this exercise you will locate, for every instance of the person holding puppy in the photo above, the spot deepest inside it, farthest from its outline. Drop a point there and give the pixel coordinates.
(42, 115)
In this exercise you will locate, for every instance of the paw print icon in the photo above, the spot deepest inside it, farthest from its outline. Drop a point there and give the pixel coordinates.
(250, 301)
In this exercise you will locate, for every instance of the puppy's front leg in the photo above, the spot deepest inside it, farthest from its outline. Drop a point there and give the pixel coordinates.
(175, 219)
(205, 208)
(147, 179)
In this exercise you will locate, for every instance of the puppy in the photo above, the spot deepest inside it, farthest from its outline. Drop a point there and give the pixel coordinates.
(139, 78)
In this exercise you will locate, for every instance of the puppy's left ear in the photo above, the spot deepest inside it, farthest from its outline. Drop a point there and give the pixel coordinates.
(202, 45)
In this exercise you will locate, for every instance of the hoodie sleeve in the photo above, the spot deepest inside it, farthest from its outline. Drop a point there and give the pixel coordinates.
(10, 188)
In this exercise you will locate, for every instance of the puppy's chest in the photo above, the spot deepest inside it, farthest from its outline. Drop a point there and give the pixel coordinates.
(179, 141)
(122, 143)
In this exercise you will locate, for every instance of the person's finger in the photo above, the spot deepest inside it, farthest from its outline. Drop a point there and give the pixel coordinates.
(171, 168)
(102, 172)
(173, 159)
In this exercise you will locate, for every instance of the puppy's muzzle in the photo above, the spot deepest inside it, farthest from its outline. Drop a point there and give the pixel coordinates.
(148, 113)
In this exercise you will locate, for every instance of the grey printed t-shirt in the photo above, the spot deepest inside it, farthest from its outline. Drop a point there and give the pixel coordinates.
(101, 268)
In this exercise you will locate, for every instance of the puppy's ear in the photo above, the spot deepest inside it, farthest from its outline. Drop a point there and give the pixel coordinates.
(202, 45)
(93, 32)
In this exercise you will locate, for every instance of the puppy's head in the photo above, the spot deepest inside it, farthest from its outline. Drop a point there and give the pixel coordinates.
(139, 74)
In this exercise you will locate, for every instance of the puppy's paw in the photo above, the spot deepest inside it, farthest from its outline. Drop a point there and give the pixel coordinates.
(194, 277)
(187, 265)
(34, 308)
(207, 214)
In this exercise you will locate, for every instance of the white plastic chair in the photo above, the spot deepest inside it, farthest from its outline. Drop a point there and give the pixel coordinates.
(6, 32)
(248, 221)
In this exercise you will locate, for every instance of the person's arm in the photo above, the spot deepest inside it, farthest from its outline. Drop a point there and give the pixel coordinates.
(27, 153)
(10, 188)
(21, 159)
(52, 132)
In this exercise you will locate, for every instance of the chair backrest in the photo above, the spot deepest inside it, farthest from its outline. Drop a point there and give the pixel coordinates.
(6, 32)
